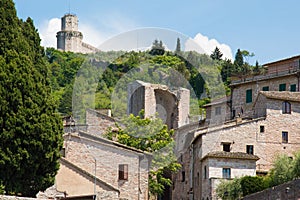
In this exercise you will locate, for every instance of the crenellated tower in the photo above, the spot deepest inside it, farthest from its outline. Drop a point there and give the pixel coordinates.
(70, 39)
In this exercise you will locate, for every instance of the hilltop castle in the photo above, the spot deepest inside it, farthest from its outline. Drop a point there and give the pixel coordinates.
(70, 39)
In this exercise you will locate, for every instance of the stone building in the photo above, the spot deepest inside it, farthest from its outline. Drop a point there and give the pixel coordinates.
(172, 106)
(282, 75)
(92, 165)
(70, 39)
(98, 123)
(259, 120)
(273, 132)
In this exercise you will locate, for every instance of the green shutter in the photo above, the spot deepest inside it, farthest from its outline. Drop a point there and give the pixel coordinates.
(282, 87)
(293, 88)
(248, 96)
(266, 88)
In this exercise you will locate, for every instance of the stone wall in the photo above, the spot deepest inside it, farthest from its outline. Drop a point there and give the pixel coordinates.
(214, 168)
(70, 39)
(84, 151)
(239, 92)
(172, 106)
(286, 191)
(98, 123)
(267, 144)
(5, 197)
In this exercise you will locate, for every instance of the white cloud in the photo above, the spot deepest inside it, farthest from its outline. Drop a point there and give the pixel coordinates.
(203, 44)
(93, 34)
(48, 32)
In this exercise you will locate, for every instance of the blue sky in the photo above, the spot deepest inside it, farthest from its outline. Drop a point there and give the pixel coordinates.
(268, 28)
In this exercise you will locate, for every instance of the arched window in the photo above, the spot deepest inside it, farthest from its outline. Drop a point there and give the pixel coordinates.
(286, 107)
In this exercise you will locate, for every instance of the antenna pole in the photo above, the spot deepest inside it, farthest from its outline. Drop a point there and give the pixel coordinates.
(69, 7)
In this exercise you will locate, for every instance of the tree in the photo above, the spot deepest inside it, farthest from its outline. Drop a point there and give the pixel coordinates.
(178, 46)
(150, 135)
(157, 48)
(30, 131)
(282, 170)
(239, 59)
(216, 54)
(229, 190)
(252, 184)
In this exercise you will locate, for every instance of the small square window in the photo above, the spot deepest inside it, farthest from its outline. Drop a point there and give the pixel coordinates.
(265, 88)
(218, 110)
(226, 173)
(226, 147)
(123, 172)
(250, 149)
(293, 88)
(282, 87)
(285, 137)
(262, 129)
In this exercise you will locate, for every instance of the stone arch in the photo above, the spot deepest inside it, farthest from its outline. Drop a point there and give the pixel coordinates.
(166, 107)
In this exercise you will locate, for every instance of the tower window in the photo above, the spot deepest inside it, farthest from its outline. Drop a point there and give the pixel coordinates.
(265, 88)
(286, 107)
(250, 149)
(262, 129)
(123, 172)
(285, 137)
(218, 110)
(226, 173)
(293, 88)
(182, 176)
(249, 96)
(282, 87)
(226, 147)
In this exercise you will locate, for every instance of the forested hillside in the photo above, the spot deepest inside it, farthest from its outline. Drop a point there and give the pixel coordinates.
(207, 76)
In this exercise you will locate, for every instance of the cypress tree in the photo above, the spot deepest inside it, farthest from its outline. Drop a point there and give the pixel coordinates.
(178, 46)
(30, 131)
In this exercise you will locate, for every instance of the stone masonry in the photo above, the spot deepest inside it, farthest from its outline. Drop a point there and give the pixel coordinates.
(70, 39)
(172, 106)
(97, 155)
(264, 134)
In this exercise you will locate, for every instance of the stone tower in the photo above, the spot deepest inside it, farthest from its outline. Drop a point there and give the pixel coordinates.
(69, 38)
(172, 106)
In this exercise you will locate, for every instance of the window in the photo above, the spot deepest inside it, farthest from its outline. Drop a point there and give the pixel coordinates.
(262, 129)
(123, 172)
(63, 152)
(205, 172)
(282, 87)
(226, 147)
(293, 88)
(218, 110)
(248, 96)
(285, 137)
(250, 149)
(265, 88)
(286, 107)
(182, 176)
(226, 173)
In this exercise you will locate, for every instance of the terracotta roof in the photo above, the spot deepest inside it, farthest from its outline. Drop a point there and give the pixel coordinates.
(285, 59)
(282, 95)
(218, 101)
(231, 155)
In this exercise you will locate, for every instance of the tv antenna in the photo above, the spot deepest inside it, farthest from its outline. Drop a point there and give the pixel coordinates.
(69, 6)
